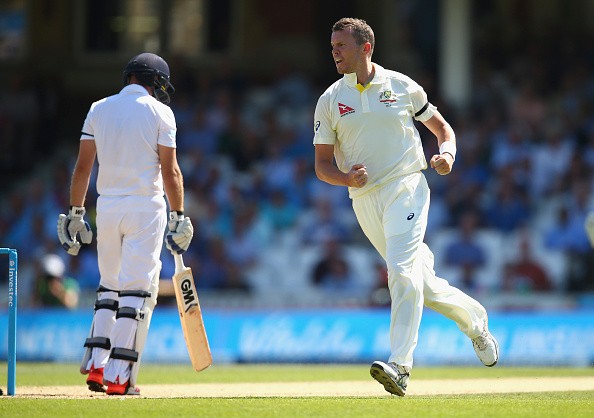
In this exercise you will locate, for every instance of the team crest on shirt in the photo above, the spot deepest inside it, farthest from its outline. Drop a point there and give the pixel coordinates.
(387, 97)
(345, 110)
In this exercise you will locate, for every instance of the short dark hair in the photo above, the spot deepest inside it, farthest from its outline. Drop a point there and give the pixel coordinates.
(361, 31)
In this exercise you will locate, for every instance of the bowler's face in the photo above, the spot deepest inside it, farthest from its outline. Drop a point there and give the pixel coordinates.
(346, 53)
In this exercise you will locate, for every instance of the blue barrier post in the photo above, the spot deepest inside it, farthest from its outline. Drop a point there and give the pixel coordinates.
(12, 316)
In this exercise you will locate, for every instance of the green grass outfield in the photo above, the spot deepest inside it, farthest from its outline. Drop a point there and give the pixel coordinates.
(543, 404)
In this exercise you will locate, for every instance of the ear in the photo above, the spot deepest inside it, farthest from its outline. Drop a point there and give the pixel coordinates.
(367, 47)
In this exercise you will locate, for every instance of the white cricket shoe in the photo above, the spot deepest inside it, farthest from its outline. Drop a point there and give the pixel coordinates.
(486, 348)
(393, 376)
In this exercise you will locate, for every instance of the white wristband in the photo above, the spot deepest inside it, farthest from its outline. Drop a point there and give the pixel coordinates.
(77, 211)
(449, 147)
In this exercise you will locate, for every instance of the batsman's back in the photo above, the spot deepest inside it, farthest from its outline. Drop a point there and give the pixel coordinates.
(127, 129)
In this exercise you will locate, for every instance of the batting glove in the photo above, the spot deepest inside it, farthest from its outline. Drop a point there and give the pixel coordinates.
(73, 227)
(180, 233)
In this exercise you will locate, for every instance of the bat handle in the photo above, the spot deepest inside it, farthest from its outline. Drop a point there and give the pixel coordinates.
(179, 263)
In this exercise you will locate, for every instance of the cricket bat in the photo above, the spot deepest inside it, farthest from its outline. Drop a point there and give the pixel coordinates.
(190, 315)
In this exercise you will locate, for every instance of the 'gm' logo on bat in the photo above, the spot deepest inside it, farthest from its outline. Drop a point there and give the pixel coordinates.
(189, 296)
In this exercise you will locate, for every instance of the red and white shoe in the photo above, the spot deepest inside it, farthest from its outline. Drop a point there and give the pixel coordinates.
(95, 380)
(116, 388)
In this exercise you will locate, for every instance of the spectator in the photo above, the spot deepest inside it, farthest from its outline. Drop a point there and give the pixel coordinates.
(322, 221)
(183, 107)
(465, 252)
(524, 274)
(219, 112)
(332, 273)
(511, 147)
(581, 255)
(528, 105)
(508, 209)
(279, 170)
(548, 174)
(380, 295)
(214, 266)
(198, 135)
(236, 281)
(281, 213)
(84, 268)
(248, 151)
(299, 189)
(568, 235)
(53, 288)
(250, 233)
(230, 137)
(291, 88)
(216, 221)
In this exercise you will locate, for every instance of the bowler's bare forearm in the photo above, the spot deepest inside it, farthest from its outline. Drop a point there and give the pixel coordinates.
(329, 173)
(441, 129)
(325, 168)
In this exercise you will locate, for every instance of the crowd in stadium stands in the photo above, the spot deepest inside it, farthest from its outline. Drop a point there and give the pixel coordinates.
(508, 219)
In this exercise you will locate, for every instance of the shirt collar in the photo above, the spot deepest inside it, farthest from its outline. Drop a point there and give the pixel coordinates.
(135, 88)
(378, 78)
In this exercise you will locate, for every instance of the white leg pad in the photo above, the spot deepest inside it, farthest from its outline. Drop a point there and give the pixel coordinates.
(98, 343)
(130, 333)
(142, 330)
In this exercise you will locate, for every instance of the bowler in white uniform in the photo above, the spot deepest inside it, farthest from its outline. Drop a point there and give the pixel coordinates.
(365, 139)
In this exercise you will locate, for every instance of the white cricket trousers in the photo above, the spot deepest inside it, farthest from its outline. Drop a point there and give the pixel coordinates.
(130, 232)
(394, 219)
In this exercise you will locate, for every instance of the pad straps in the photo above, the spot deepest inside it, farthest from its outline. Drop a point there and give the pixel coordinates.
(120, 353)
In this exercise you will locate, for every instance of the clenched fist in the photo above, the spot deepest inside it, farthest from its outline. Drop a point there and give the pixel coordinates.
(358, 176)
(442, 163)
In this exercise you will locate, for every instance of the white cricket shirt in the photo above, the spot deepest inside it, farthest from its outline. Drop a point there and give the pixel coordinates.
(374, 126)
(127, 127)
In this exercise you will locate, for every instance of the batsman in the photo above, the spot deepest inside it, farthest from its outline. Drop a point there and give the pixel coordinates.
(132, 135)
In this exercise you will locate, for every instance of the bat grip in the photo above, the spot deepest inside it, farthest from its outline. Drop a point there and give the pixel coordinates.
(179, 263)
